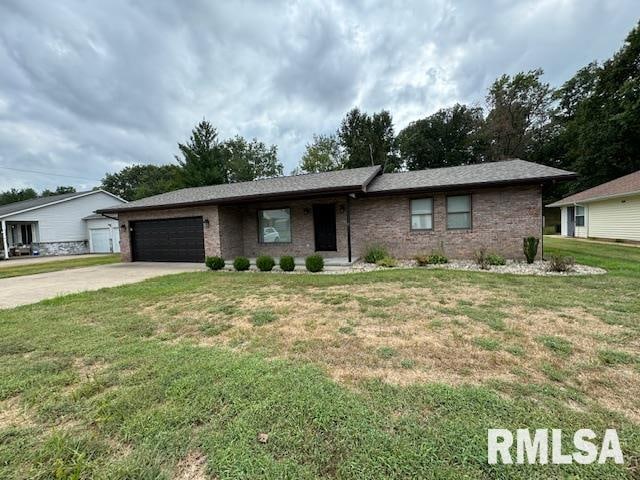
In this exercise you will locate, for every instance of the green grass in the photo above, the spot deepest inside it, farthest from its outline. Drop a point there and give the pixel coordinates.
(93, 385)
(556, 344)
(18, 270)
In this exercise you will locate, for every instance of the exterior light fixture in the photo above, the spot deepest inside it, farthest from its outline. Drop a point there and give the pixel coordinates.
(341, 208)
(206, 223)
(123, 227)
(306, 210)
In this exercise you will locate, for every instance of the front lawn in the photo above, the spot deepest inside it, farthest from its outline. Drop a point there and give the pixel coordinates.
(393, 374)
(16, 269)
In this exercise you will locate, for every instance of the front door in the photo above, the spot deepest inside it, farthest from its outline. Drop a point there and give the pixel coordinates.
(324, 224)
(571, 221)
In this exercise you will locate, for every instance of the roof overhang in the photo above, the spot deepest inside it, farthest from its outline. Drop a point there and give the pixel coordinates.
(562, 203)
(55, 202)
(316, 193)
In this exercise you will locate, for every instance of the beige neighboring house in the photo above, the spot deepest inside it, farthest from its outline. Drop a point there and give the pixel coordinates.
(610, 211)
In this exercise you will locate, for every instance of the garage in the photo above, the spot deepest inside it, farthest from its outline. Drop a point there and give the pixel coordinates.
(104, 240)
(168, 240)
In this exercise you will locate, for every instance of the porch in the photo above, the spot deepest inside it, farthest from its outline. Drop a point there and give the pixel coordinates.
(19, 238)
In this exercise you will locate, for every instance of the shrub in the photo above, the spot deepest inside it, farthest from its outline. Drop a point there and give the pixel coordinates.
(265, 263)
(481, 259)
(287, 263)
(214, 263)
(314, 263)
(530, 248)
(375, 253)
(434, 259)
(558, 263)
(495, 259)
(388, 262)
(241, 264)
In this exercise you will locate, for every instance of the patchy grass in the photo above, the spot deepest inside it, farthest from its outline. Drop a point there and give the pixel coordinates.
(15, 269)
(169, 378)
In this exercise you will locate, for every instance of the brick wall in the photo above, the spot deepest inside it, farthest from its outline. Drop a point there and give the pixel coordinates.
(302, 231)
(500, 219)
(211, 233)
(231, 231)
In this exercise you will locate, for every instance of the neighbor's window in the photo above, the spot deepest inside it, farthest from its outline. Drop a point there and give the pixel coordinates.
(459, 212)
(579, 216)
(422, 214)
(274, 225)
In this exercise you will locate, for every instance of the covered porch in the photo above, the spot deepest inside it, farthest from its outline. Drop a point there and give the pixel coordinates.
(19, 238)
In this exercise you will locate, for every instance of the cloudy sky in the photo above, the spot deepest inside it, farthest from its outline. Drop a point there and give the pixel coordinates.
(90, 87)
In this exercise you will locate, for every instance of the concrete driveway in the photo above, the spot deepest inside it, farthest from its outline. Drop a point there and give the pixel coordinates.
(15, 291)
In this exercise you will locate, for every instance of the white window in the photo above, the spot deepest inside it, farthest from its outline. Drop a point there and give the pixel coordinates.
(579, 216)
(459, 212)
(422, 214)
(274, 226)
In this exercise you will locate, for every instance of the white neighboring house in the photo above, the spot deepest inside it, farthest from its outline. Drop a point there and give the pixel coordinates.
(59, 225)
(609, 211)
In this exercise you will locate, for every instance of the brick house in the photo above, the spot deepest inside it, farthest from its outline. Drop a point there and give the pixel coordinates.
(456, 210)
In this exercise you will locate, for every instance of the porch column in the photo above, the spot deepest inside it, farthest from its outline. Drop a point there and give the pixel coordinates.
(4, 240)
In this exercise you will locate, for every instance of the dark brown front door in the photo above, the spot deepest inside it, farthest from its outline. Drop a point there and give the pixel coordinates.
(324, 224)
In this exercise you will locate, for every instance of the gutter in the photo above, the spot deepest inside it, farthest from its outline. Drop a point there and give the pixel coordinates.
(241, 199)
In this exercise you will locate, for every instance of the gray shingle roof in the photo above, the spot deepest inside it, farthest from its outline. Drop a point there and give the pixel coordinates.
(363, 180)
(353, 180)
(508, 171)
(11, 208)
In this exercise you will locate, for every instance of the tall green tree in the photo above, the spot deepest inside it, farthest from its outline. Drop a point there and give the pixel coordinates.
(368, 140)
(139, 181)
(203, 159)
(599, 115)
(519, 107)
(245, 161)
(449, 137)
(58, 191)
(323, 154)
(17, 195)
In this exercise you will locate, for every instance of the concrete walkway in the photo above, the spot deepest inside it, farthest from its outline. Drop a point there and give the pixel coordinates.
(15, 291)
(19, 261)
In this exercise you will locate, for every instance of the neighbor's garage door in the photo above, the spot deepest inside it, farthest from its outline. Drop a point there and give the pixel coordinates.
(170, 240)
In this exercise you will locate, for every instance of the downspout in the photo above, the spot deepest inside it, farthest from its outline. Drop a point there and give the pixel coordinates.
(349, 227)
(542, 215)
(4, 240)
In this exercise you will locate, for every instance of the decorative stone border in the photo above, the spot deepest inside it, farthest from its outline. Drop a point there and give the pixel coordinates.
(538, 268)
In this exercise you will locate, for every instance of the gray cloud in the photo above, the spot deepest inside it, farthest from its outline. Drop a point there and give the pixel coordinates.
(87, 88)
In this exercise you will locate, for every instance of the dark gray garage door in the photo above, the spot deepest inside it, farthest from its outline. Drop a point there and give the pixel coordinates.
(169, 240)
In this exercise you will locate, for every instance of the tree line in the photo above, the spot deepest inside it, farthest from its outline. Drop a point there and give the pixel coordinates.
(590, 125)
(19, 194)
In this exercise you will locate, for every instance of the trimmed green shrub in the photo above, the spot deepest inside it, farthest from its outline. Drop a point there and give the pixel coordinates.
(375, 253)
(241, 264)
(558, 263)
(530, 248)
(214, 263)
(287, 263)
(434, 259)
(314, 263)
(265, 263)
(388, 262)
(495, 259)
